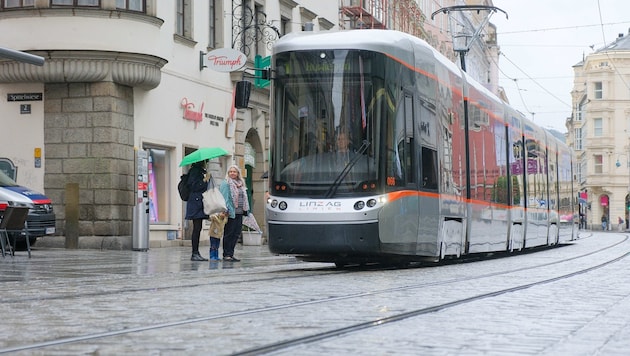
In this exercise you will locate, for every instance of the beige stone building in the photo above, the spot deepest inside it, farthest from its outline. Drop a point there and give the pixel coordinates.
(599, 132)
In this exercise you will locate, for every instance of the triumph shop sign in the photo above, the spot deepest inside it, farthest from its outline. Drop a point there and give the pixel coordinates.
(223, 60)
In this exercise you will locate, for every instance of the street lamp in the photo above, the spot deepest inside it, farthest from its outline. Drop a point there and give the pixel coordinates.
(21, 56)
(627, 197)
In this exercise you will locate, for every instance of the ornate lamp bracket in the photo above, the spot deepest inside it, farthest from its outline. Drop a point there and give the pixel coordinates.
(251, 28)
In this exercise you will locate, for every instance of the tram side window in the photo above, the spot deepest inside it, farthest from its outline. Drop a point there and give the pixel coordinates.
(399, 160)
(396, 165)
(429, 169)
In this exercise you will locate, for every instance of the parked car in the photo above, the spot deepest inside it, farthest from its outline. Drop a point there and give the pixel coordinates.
(41, 217)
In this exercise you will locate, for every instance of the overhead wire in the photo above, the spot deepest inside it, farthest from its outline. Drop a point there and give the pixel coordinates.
(612, 64)
(534, 80)
(566, 27)
(601, 25)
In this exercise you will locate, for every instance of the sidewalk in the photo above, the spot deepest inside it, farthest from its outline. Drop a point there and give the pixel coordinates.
(114, 242)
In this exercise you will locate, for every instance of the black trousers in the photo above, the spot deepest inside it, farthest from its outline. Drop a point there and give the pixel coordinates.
(196, 233)
(231, 234)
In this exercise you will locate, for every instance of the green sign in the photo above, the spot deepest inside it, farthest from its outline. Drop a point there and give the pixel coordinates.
(260, 64)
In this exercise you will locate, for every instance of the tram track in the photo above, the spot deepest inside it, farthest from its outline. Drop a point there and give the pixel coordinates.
(287, 344)
(334, 332)
(267, 276)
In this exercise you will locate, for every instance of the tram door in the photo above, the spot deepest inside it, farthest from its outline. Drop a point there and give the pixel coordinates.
(405, 151)
(427, 173)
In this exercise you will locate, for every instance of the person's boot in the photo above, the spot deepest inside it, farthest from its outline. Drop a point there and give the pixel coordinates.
(196, 256)
(214, 255)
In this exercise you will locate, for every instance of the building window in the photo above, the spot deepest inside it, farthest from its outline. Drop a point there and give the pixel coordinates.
(131, 5)
(128, 5)
(16, 4)
(76, 3)
(598, 127)
(578, 138)
(184, 18)
(598, 90)
(159, 185)
(259, 50)
(284, 26)
(599, 163)
(212, 29)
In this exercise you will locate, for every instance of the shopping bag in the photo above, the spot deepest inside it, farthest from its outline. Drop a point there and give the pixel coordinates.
(213, 201)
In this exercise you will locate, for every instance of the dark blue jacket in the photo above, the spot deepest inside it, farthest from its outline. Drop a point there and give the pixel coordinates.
(194, 205)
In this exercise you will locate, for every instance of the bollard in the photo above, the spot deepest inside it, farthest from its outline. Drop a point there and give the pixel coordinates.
(72, 216)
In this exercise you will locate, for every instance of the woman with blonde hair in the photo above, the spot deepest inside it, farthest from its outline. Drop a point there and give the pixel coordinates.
(235, 194)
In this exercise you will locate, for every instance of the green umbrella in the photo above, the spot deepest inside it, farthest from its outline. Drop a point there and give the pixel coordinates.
(203, 154)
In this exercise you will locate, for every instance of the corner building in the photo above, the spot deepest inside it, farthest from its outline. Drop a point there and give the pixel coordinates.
(599, 132)
(126, 75)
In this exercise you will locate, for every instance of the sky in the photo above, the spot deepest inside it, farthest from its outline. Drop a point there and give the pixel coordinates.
(541, 41)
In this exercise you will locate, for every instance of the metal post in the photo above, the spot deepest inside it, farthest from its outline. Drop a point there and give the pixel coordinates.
(462, 58)
(140, 237)
(72, 216)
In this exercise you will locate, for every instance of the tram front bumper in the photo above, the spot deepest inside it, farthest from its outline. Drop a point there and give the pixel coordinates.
(324, 239)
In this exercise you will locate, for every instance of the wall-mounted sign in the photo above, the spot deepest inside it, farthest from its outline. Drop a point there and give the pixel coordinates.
(25, 97)
(197, 116)
(25, 108)
(190, 113)
(224, 60)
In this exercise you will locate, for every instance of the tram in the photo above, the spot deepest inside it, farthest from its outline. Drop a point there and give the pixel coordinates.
(382, 150)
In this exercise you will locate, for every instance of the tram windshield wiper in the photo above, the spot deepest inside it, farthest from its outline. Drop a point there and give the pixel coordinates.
(337, 182)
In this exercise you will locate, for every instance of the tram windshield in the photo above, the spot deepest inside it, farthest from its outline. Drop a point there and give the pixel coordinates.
(325, 133)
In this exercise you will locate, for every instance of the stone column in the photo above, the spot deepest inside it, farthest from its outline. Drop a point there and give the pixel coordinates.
(89, 131)
(89, 134)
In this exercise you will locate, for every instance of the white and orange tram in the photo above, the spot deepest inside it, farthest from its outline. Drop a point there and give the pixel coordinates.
(384, 150)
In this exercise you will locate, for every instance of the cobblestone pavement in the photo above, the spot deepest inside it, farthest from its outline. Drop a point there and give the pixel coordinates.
(158, 302)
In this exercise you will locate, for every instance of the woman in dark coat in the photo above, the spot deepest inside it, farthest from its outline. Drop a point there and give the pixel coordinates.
(194, 205)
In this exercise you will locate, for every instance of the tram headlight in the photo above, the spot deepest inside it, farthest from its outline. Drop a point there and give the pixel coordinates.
(359, 205)
(371, 203)
(274, 203)
(282, 205)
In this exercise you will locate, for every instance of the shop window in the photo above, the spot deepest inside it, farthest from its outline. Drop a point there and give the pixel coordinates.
(160, 185)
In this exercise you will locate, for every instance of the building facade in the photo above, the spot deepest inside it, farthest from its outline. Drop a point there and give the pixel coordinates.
(599, 132)
(122, 77)
(128, 78)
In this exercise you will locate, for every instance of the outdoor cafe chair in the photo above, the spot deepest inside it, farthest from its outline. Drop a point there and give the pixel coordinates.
(14, 223)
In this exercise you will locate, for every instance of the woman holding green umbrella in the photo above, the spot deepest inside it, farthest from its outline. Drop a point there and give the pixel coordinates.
(194, 206)
(197, 184)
